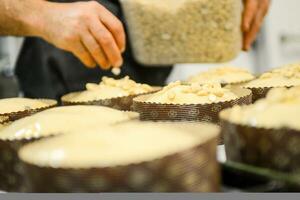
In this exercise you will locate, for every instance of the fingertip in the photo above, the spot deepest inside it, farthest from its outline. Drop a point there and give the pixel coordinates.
(119, 63)
(91, 65)
(105, 67)
(121, 46)
(247, 47)
(123, 49)
(246, 26)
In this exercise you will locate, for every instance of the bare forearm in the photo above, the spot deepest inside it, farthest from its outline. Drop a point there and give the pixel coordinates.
(86, 29)
(21, 17)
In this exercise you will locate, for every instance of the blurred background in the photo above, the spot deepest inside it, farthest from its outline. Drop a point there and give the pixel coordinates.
(277, 44)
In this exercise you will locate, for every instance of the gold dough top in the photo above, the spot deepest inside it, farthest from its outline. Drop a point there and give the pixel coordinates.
(280, 109)
(121, 145)
(178, 93)
(223, 75)
(285, 76)
(11, 105)
(110, 88)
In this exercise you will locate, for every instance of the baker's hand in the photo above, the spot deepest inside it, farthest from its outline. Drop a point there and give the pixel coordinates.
(253, 16)
(88, 30)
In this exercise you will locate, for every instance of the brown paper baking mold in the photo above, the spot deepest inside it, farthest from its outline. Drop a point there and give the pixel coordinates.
(12, 175)
(4, 119)
(259, 93)
(277, 149)
(119, 103)
(13, 116)
(11, 169)
(188, 112)
(229, 84)
(194, 170)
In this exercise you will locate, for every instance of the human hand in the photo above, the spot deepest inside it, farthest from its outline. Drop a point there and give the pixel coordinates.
(87, 29)
(253, 16)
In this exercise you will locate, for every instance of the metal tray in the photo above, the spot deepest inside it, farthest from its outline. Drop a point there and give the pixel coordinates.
(246, 178)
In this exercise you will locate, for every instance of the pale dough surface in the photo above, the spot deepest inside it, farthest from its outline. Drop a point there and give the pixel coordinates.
(177, 93)
(110, 88)
(223, 75)
(20, 104)
(281, 108)
(288, 75)
(64, 120)
(121, 145)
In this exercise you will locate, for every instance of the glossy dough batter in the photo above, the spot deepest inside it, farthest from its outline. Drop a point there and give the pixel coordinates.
(121, 145)
(177, 93)
(280, 109)
(64, 120)
(20, 104)
(110, 88)
(223, 75)
(285, 76)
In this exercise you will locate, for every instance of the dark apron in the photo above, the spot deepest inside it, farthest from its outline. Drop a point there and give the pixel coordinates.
(44, 71)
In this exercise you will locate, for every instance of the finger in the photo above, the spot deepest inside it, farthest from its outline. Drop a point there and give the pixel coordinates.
(108, 43)
(95, 50)
(115, 26)
(82, 53)
(262, 11)
(250, 10)
(265, 7)
(255, 27)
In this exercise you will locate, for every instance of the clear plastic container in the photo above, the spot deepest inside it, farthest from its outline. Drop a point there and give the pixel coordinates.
(165, 32)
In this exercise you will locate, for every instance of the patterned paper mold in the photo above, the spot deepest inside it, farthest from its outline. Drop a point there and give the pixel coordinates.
(225, 75)
(119, 103)
(110, 92)
(194, 169)
(259, 93)
(15, 115)
(3, 119)
(59, 120)
(272, 148)
(286, 76)
(266, 133)
(11, 170)
(188, 112)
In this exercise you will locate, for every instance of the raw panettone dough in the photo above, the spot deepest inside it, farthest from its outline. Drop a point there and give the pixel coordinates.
(282, 77)
(64, 120)
(121, 145)
(110, 88)
(11, 105)
(178, 93)
(223, 75)
(280, 109)
(3, 119)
